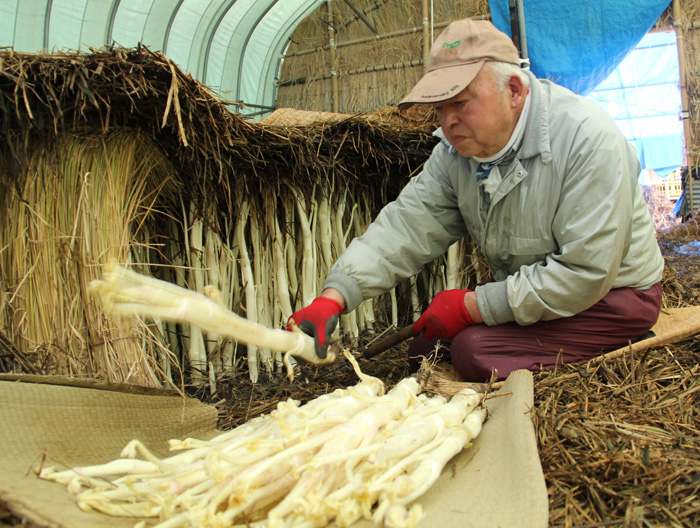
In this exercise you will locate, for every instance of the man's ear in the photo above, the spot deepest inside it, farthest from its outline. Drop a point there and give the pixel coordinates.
(517, 90)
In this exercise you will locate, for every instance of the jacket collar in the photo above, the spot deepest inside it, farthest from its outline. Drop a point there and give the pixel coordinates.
(536, 140)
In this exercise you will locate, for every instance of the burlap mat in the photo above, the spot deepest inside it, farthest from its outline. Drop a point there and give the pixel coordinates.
(496, 482)
(78, 426)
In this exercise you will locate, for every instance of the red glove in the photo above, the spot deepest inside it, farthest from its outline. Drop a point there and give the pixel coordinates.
(318, 319)
(445, 316)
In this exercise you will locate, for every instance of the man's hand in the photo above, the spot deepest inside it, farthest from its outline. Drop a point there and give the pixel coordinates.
(318, 319)
(445, 317)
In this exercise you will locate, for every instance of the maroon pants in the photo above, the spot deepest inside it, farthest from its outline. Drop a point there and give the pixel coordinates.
(623, 315)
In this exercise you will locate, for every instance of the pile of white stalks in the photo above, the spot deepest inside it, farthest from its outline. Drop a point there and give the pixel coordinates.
(356, 453)
(353, 454)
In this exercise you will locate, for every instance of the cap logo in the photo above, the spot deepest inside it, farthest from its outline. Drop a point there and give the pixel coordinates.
(450, 52)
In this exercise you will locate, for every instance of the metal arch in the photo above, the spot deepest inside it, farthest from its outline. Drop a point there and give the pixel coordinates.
(166, 38)
(245, 46)
(210, 39)
(278, 50)
(82, 26)
(112, 17)
(47, 23)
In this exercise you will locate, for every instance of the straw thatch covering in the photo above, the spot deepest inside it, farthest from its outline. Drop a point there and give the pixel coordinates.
(200, 195)
(56, 93)
(291, 117)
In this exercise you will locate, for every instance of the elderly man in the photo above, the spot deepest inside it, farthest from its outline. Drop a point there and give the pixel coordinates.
(546, 185)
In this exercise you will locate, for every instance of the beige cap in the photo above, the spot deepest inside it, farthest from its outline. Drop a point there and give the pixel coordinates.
(456, 57)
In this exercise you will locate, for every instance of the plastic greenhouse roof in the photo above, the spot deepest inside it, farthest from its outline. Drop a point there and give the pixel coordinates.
(643, 97)
(643, 94)
(232, 46)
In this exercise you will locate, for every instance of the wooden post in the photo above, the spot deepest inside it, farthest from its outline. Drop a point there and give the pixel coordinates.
(334, 60)
(426, 35)
(685, 112)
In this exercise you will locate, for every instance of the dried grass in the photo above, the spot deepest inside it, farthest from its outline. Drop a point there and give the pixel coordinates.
(681, 277)
(83, 201)
(661, 209)
(619, 445)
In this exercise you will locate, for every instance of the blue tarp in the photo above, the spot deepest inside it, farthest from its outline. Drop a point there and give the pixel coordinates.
(662, 154)
(578, 44)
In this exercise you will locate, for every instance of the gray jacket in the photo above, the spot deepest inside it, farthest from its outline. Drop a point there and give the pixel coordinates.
(567, 224)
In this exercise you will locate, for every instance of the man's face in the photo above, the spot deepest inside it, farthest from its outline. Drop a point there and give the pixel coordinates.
(480, 120)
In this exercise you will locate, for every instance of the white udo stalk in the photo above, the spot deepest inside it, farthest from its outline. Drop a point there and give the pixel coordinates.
(213, 275)
(337, 226)
(299, 466)
(453, 259)
(475, 266)
(290, 254)
(415, 301)
(324, 233)
(308, 264)
(427, 471)
(349, 322)
(227, 267)
(433, 288)
(235, 293)
(282, 287)
(195, 252)
(261, 288)
(212, 244)
(248, 282)
(442, 277)
(421, 428)
(359, 430)
(367, 308)
(274, 319)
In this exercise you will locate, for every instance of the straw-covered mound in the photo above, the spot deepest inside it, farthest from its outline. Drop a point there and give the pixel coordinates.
(117, 154)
